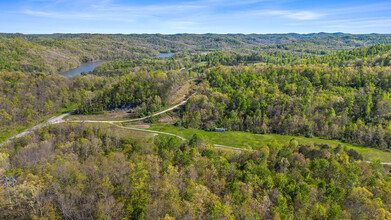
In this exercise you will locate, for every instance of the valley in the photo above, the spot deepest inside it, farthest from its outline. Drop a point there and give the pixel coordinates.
(217, 126)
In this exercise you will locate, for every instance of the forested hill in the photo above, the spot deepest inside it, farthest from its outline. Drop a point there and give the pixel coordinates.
(220, 41)
(256, 87)
(53, 56)
(50, 54)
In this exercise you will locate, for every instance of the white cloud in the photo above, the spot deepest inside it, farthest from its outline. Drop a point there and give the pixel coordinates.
(358, 23)
(209, 15)
(181, 25)
(296, 15)
(59, 15)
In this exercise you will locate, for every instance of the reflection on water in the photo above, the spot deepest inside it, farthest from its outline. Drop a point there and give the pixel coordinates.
(165, 55)
(84, 67)
(87, 67)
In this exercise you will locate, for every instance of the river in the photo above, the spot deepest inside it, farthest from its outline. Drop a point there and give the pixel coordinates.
(162, 55)
(84, 67)
(87, 67)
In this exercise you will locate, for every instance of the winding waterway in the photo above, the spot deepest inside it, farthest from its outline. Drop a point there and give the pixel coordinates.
(162, 55)
(87, 67)
(84, 67)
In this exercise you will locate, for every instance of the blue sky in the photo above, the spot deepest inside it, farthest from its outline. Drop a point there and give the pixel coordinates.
(194, 16)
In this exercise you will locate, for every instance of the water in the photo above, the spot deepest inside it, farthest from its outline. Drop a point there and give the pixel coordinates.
(87, 67)
(162, 55)
(84, 67)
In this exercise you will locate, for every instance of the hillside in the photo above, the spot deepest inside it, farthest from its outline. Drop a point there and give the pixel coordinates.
(51, 54)
(303, 114)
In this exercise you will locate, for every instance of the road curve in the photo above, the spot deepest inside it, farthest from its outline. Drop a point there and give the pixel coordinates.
(138, 119)
(52, 120)
(180, 137)
(60, 119)
(382, 163)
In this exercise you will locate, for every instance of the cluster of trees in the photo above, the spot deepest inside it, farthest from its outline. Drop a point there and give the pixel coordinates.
(56, 53)
(54, 56)
(376, 55)
(25, 98)
(230, 58)
(73, 171)
(123, 67)
(78, 172)
(149, 91)
(350, 104)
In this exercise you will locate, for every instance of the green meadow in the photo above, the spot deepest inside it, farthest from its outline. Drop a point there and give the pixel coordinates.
(254, 141)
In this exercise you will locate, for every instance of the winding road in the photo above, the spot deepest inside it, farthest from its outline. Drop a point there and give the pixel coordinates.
(180, 137)
(52, 120)
(138, 119)
(60, 119)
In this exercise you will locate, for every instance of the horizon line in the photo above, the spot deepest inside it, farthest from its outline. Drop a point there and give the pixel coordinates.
(188, 33)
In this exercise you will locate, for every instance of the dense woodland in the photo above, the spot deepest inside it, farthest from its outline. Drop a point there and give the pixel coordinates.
(51, 54)
(77, 172)
(348, 99)
(333, 86)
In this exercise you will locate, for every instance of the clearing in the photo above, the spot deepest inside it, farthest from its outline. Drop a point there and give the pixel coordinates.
(247, 140)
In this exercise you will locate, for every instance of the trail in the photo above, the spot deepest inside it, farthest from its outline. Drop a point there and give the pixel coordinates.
(139, 119)
(382, 163)
(52, 120)
(180, 137)
(60, 119)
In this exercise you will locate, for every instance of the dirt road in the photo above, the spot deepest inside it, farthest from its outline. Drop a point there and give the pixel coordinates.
(52, 120)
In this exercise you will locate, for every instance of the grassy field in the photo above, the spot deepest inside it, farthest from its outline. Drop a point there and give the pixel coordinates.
(113, 130)
(254, 141)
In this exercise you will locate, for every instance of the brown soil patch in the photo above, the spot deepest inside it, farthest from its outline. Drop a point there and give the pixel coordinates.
(143, 126)
(181, 93)
(168, 119)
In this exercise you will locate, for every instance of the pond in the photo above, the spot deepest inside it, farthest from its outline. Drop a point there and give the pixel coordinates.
(84, 67)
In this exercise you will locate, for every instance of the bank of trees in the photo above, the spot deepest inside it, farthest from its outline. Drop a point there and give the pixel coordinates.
(124, 67)
(350, 104)
(27, 99)
(55, 56)
(73, 171)
(149, 91)
(77, 172)
(376, 55)
(51, 54)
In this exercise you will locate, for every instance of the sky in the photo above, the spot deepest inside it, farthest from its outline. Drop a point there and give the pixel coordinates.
(194, 16)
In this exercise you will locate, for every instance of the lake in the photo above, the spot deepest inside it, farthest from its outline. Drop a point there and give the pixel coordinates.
(87, 67)
(162, 55)
(84, 67)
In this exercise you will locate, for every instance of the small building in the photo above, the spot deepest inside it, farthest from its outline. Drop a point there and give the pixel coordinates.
(220, 129)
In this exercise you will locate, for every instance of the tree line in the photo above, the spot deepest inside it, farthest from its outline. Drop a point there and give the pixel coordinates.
(345, 103)
(75, 171)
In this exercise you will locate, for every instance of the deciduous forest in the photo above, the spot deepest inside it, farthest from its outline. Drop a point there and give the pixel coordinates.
(106, 159)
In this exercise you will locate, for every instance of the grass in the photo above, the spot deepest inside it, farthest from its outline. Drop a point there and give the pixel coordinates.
(254, 141)
(94, 118)
(67, 109)
(5, 134)
(122, 132)
(260, 64)
(201, 64)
